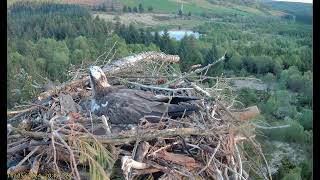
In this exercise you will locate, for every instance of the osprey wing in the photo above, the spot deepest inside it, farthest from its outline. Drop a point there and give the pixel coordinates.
(167, 99)
(128, 108)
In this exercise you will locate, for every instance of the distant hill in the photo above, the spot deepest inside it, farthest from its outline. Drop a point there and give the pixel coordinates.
(301, 11)
(209, 8)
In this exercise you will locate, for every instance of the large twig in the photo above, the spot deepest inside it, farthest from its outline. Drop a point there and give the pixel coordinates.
(192, 73)
(129, 137)
(273, 127)
(72, 158)
(200, 90)
(115, 67)
(210, 160)
(28, 156)
(239, 158)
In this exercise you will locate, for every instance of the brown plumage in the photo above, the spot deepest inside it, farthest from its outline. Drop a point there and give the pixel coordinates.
(128, 106)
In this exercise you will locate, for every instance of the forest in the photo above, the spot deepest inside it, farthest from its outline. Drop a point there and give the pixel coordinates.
(45, 40)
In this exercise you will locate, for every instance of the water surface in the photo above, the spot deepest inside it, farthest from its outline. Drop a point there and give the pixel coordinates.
(179, 34)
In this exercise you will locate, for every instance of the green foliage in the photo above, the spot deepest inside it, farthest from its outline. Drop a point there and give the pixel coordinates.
(141, 9)
(306, 169)
(295, 133)
(269, 79)
(166, 43)
(125, 9)
(135, 9)
(180, 13)
(280, 105)
(285, 168)
(301, 11)
(99, 158)
(288, 170)
(306, 118)
(295, 81)
(293, 174)
(150, 9)
(235, 63)
(63, 35)
(20, 87)
(189, 53)
(261, 65)
(248, 97)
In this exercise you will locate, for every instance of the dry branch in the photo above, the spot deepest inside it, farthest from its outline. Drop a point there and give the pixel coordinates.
(116, 66)
(128, 137)
(131, 61)
(178, 159)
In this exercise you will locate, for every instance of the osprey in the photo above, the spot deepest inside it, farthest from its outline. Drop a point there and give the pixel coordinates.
(128, 106)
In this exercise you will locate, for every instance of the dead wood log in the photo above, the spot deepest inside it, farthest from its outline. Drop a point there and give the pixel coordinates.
(127, 161)
(178, 159)
(18, 170)
(131, 61)
(144, 135)
(128, 164)
(144, 171)
(67, 104)
(35, 165)
(17, 148)
(114, 68)
(142, 150)
(211, 150)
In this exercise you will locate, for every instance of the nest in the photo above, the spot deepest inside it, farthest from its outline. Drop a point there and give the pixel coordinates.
(56, 136)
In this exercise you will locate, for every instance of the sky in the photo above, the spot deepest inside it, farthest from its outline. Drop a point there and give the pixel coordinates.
(304, 1)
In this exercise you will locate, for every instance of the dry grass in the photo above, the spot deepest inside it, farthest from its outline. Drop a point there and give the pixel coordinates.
(154, 20)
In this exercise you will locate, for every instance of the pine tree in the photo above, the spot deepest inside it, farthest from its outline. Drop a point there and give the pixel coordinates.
(166, 44)
(125, 9)
(189, 53)
(133, 34)
(150, 8)
(180, 13)
(141, 10)
(156, 39)
(135, 10)
(148, 37)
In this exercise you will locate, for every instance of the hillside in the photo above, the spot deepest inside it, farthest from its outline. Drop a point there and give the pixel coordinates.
(301, 11)
(198, 6)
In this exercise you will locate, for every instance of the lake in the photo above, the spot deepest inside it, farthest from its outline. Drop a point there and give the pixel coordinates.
(179, 34)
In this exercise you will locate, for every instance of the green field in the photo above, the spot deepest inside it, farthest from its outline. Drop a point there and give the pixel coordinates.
(194, 6)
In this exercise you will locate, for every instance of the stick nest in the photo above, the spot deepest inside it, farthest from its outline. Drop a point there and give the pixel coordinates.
(56, 136)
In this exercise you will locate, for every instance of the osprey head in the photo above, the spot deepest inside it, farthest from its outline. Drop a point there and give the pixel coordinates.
(98, 80)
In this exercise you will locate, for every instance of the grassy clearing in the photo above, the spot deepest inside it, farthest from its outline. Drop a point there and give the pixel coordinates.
(193, 6)
(156, 21)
